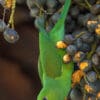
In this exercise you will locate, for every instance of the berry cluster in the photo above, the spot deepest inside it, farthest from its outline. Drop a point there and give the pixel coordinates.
(46, 12)
(81, 41)
(9, 34)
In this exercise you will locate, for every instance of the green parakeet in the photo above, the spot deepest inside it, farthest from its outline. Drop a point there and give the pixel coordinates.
(55, 75)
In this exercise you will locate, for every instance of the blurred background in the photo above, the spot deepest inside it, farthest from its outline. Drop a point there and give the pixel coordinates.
(18, 62)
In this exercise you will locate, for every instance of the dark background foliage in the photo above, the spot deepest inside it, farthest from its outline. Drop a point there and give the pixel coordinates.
(18, 62)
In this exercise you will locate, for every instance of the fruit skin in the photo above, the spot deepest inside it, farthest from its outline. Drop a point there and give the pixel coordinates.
(10, 35)
(76, 94)
(2, 2)
(51, 10)
(51, 3)
(98, 50)
(62, 1)
(55, 17)
(91, 76)
(87, 37)
(49, 27)
(95, 85)
(71, 49)
(83, 19)
(79, 56)
(74, 12)
(85, 47)
(2, 25)
(92, 2)
(39, 21)
(85, 65)
(91, 25)
(30, 4)
(78, 43)
(68, 19)
(95, 9)
(34, 12)
(68, 38)
(41, 2)
(95, 59)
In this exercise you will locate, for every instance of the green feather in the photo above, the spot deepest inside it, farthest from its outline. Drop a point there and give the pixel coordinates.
(49, 58)
(55, 75)
(40, 71)
(57, 33)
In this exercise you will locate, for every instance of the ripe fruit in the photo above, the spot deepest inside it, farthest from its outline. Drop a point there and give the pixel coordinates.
(2, 25)
(10, 35)
(95, 59)
(85, 65)
(76, 94)
(91, 76)
(68, 38)
(34, 12)
(51, 3)
(71, 49)
(98, 50)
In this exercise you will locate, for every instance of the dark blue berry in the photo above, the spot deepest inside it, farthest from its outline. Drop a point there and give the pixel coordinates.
(51, 3)
(95, 59)
(71, 49)
(87, 37)
(39, 21)
(74, 12)
(95, 9)
(98, 50)
(85, 47)
(85, 65)
(95, 85)
(69, 38)
(34, 12)
(30, 4)
(76, 94)
(10, 35)
(2, 25)
(55, 17)
(91, 76)
(62, 1)
(78, 43)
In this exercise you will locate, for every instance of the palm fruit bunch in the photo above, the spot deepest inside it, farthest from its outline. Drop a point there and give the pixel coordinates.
(83, 47)
(46, 12)
(81, 41)
(7, 28)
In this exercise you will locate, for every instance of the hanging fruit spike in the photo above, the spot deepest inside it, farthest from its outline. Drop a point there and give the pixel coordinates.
(8, 3)
(11, 20)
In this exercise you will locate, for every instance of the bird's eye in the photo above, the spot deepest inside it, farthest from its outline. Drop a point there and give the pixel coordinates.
(45, 98)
